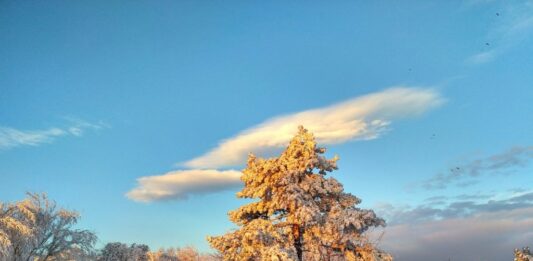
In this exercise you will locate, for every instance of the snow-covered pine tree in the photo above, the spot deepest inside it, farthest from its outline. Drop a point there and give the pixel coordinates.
(300, 213)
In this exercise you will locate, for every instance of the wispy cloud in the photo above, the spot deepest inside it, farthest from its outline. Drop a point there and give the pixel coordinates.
(466, 174)
(482, 57)
(512, 25)
(182, 183)
(77, 126)
(365, 117)
(11, 137)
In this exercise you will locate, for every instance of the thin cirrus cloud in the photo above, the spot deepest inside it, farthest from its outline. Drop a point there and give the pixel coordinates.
(468, 174)
(363, 118)
(12, 137)
(511, 26)
(182, 183)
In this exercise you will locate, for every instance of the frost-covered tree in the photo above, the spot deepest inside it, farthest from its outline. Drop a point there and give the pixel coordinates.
(117, 251)
(523, 254)
(12, 229)
(114, 251)
(181, 254)
(299, 212)
(35, 229)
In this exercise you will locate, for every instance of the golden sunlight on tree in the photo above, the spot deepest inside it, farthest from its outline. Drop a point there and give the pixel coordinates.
(300, 214)
(523, 254)
(181, 254)
(35, 229)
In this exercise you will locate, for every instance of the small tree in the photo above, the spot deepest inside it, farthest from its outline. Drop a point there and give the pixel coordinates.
(300, 213)
(523, 255)
(117, 251)
(35, 229)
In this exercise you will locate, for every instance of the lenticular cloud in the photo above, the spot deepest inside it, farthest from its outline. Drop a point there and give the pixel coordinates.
(364, 117)
(182, 183)
(361, 118)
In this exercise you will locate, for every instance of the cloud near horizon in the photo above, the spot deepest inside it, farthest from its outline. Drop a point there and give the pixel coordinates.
(361, 118)
(460, 230)
(483, 236)
(11, 137)
(182, 183)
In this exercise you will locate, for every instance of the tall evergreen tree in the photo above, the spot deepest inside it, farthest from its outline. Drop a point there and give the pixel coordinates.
(299, 212)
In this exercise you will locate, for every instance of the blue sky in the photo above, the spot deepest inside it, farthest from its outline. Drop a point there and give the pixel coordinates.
(95, 95)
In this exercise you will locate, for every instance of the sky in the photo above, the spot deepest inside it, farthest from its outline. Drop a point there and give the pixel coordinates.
(140, 115)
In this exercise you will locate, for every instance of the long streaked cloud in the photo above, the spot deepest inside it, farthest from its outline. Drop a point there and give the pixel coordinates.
(442, 207)
(183, 183)
(513, 24)
(12, 137)
(467, 174)
(481, 228)
(365, 117)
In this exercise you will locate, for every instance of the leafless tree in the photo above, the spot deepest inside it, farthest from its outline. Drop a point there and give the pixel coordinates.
(36, 229)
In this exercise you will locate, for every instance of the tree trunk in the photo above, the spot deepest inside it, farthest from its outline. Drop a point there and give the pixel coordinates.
(297, 233)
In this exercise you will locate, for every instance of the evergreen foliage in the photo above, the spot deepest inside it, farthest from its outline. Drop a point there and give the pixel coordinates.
(300, 212)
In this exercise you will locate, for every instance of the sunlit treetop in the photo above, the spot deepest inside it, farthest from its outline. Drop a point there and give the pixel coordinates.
(300, 212)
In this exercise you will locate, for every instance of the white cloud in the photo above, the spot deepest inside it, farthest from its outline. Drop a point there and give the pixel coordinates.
(182, 183)
(11, 137)
(483, 236)
(364, 117)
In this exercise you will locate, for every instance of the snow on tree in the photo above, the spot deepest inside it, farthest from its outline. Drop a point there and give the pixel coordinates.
(299, 212)
(117, 251)
(11, 228)
(181, 254)
(35, 229)
(523, 255)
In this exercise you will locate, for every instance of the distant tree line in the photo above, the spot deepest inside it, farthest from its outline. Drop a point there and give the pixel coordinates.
(35, 229)
(137, 252)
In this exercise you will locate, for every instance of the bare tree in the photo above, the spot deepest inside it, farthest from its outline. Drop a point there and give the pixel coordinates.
(36, 229)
